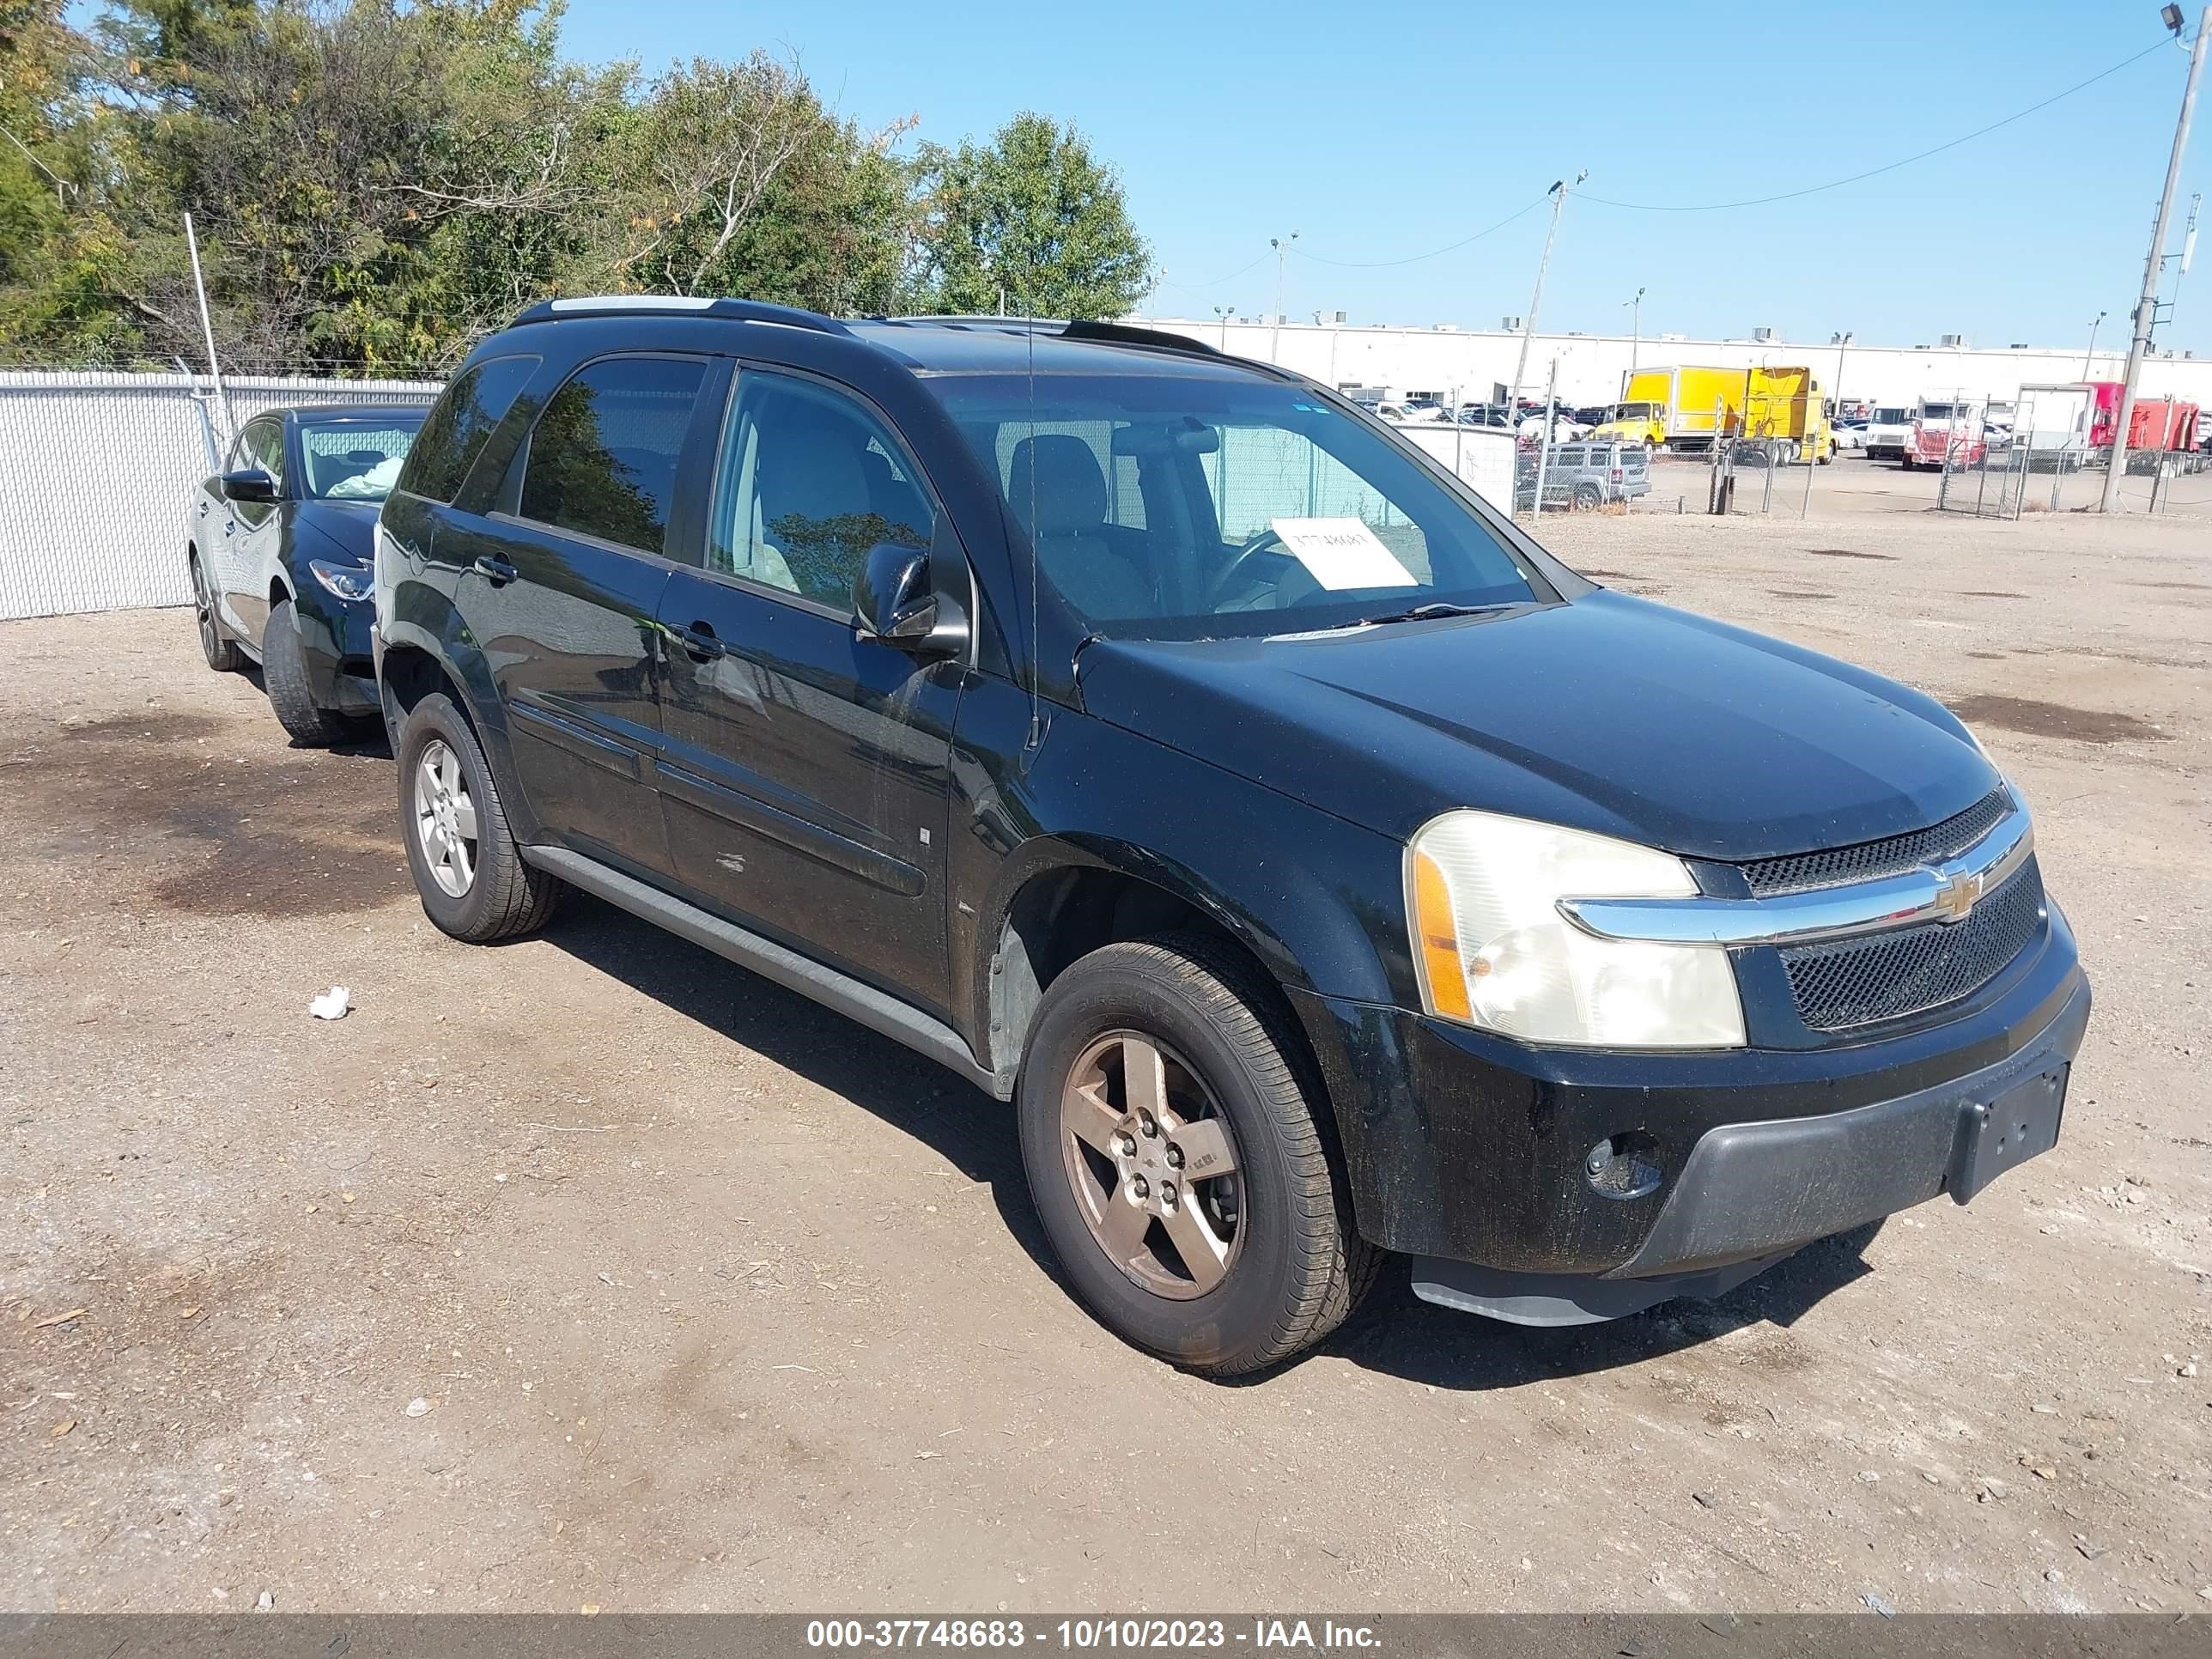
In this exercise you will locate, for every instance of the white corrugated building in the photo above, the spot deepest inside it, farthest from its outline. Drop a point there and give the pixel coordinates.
(1473, 365)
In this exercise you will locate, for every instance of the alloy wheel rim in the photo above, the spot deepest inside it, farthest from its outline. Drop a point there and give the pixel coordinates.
(1152, 1164)
(444, 819)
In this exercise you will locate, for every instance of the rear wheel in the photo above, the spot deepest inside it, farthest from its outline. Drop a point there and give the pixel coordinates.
(284, 670)
(468, 870)
(1588, 495)
(1181, 1163)
(221, 651)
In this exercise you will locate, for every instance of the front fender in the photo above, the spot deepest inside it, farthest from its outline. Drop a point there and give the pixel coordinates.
(1316, 899)
(414, 614)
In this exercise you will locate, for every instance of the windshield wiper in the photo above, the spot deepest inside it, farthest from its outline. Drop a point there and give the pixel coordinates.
(1423, 612)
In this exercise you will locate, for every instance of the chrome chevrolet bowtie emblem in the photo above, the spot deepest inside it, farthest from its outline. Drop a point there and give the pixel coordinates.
(1956, 896)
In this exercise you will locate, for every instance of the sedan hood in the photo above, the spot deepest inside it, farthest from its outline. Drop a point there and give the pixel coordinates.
(1608, 714)
(350, 526)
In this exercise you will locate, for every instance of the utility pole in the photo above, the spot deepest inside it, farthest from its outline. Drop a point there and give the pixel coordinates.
(1635, 336)
(1836, 391)
(1282, 246)
(2095, 323)
(2146, 306)
(207, 332)
(1559, 195)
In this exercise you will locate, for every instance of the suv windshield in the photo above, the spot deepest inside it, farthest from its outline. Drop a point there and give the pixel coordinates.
(1167, 507)
(355, 460)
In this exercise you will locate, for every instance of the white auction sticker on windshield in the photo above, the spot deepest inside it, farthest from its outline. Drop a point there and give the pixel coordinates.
(1342, 553)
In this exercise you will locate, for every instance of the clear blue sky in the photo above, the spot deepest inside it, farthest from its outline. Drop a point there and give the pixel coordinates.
(1379, 132)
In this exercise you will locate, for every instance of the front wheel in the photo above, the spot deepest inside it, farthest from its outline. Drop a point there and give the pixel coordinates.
(285, 671)
(471, 875)
(1180, 1163)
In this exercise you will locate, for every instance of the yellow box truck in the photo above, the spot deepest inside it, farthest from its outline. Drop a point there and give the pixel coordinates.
(1683, 409)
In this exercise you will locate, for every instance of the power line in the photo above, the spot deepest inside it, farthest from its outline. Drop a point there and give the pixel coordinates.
(1217, 282)
(1892, 166)
(1415, 258)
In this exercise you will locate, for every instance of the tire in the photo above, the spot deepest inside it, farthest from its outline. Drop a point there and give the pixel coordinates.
(1292, 1267)
(1589, 497)
(486, 891)
(220, 650)
(285, 671)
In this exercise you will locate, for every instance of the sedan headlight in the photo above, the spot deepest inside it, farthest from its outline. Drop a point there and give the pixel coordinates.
(348, 581)
(1494, 951)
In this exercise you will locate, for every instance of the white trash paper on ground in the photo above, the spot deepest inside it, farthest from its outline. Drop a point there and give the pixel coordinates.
(332, 1004)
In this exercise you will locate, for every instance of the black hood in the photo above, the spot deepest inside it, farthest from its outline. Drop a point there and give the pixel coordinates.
(1607, 714)
(348, 526)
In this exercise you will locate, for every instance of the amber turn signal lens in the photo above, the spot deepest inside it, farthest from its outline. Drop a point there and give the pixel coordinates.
(1439, 939)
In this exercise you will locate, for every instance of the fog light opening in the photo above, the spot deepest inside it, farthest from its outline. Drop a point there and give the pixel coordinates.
(1624, 1166)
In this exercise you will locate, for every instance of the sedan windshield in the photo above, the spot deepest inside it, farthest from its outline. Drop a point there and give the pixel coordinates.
(1166, 507)
(355, 460)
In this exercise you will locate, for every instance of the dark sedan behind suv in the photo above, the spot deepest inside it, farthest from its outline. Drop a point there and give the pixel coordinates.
(279, 546)
(1320, 867)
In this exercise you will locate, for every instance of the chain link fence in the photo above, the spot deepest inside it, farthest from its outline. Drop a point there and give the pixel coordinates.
(106, 464)
(2045, 463)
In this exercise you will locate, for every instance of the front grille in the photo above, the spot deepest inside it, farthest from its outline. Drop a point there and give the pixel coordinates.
(1858, 981)
(1872, 858)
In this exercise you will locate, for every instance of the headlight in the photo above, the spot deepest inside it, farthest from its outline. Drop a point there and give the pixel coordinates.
(348, 581)
(1493, 950)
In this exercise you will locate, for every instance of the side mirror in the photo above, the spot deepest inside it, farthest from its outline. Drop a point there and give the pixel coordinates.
(892, 600)
(248, 483)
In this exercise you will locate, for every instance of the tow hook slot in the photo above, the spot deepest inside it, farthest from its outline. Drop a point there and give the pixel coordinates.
(1626, 1165)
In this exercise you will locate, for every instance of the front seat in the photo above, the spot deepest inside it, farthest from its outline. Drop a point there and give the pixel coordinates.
(1059, 495)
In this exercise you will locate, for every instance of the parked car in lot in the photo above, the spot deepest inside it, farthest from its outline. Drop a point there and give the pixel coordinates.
(1320, 867)
(1851, 435)
(1586, 475)
(279, 546)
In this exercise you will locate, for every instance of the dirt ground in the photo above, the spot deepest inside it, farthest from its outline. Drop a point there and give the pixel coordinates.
(592, 1271)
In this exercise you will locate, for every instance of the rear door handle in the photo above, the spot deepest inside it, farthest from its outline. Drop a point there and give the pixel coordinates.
(496, 570)
(700, 643)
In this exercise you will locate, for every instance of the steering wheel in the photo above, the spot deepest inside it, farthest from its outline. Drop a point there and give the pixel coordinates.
(1263, 542)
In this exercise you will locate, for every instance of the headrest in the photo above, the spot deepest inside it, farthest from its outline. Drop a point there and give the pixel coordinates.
(1060, 473)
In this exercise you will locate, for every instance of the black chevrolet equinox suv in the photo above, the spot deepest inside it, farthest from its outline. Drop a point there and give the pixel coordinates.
(1320, 868)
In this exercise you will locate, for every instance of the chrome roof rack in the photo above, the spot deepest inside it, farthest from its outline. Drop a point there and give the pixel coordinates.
(636, 305)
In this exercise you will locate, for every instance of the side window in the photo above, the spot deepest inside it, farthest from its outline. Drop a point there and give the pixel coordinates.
(265, 446)
(602, 459)
(461, 426)
(808, 481)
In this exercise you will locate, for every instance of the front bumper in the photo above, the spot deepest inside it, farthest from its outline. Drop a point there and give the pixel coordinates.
(334, 648)
(1469, 1148)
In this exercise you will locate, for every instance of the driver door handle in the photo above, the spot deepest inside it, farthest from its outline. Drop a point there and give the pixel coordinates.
(700, 643)
(494, 569)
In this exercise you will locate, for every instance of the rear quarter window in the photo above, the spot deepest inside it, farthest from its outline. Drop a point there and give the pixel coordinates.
(461, 424)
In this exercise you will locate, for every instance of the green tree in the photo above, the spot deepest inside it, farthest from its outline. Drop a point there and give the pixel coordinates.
(377, 184)
(1030, 220)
